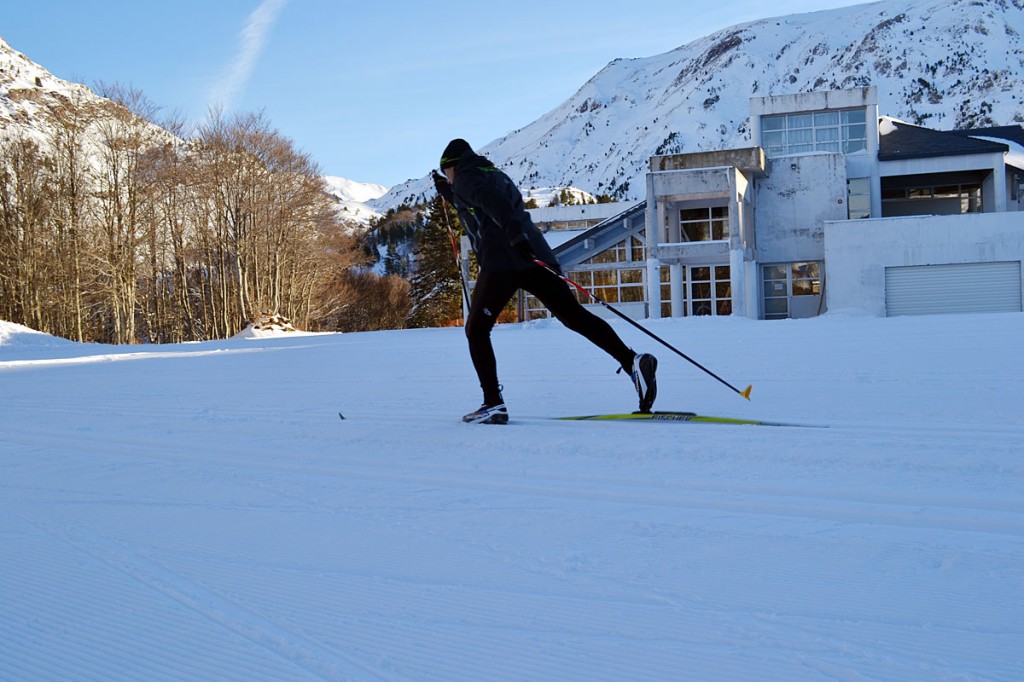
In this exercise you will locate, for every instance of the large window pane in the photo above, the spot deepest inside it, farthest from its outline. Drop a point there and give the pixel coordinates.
(805, 270)
(855, 132)
(826, 135)
(608, 294)
(632, 294)
(704, 224)
(803, 287)
(701, 307)
(638, 250)
(797, 137)
(830, 130)
(794, 121)
(853, 116)
(826, 118)
(631, 276)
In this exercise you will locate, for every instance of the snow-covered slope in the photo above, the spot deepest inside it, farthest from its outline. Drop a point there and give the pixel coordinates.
(26, 87)
(940, 63)
(353, 198)
(200, 512)
(31, 98)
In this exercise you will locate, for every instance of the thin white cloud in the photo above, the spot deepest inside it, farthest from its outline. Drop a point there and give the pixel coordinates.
(253, 38)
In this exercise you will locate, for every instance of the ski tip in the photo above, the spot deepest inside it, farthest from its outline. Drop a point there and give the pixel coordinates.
(746, 393)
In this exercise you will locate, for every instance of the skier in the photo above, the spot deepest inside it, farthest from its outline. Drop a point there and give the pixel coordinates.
(511, 250)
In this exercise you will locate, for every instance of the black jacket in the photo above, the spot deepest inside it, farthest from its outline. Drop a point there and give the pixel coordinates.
(491, 209)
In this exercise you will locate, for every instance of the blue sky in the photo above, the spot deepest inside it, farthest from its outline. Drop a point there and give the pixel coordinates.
(372, 91)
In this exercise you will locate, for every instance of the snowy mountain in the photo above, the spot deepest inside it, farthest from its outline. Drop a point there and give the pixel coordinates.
(944, 64)
(33, 100)
(353, 196)
(26, 89)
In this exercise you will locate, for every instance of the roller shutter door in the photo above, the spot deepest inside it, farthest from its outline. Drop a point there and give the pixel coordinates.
(953, 288)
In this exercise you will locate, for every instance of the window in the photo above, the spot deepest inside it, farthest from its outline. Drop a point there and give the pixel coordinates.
(858, 198)
(835, 130)
(704, 224)
(949, 199)
(627, 250)
(783, 282)
(621, 285)
(615, 275)
(666, 290)
(707, 290)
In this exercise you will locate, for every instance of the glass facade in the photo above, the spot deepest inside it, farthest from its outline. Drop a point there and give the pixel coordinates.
(947, 199)
(834, 130)
(707, 290)
(858, 198)
(704, 224)
(615, 275)
(783, 281)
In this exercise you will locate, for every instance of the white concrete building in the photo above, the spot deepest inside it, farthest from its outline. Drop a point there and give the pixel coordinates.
(834, 208)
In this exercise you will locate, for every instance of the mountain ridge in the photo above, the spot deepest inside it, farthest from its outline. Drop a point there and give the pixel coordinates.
(940, 63)
(945, 64)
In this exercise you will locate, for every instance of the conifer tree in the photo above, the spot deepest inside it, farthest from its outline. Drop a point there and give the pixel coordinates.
(436, 287)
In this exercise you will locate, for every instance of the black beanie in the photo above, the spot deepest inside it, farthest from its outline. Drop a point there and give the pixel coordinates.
(455, 150)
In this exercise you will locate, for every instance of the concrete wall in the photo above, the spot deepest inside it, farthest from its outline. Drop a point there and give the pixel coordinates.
(857, 252)
(813, 101)
(793, 203)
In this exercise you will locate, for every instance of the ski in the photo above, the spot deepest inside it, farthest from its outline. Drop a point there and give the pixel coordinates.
(660, 417)
(683, 417)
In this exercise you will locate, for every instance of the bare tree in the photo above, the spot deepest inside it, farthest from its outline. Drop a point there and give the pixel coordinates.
(25, 246)
(71, 181)
(114, 229)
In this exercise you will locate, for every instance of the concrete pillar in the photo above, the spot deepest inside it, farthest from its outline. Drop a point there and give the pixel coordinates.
(737, 277)
(999, 195)
(676, 281)
(653, 220)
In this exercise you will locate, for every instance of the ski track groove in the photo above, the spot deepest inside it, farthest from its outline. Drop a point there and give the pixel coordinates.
(414, 546)
(975, 516)
(116, 635)
(287, 645)
(752, 626)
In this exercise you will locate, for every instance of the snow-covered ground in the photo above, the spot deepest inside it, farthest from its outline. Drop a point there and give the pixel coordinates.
(200, 512)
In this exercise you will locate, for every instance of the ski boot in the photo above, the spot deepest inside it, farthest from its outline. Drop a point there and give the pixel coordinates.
(488, 414)
(644, 367)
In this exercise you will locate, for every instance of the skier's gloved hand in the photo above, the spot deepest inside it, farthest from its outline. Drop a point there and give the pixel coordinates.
(443, 187)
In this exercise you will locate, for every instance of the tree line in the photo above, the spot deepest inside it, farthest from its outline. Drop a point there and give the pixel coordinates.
(116, 230)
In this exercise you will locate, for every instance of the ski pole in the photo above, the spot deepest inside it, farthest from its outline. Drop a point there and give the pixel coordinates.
(745, 393)
(455, 250)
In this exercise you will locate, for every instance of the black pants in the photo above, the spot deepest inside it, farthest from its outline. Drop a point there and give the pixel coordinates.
(494, 290)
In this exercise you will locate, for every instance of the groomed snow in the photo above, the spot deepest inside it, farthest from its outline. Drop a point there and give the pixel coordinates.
(200, 512)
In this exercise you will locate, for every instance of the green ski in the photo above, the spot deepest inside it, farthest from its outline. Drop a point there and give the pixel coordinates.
(684, 417)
